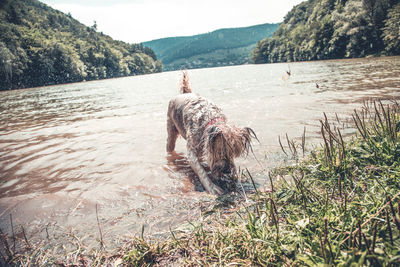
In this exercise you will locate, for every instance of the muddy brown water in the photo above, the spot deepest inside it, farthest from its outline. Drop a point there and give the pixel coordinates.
(65, 149)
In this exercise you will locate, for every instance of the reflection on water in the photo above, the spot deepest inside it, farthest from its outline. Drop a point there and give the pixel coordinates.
(178, 163)
(65, 148)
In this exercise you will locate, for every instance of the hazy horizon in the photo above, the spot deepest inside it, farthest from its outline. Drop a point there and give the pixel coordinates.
(137, 21)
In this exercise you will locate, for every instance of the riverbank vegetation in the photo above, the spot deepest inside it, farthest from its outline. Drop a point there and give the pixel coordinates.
(338, 206)
(334, 29)
(42, 46)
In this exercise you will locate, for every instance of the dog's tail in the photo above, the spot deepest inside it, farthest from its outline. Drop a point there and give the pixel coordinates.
(185, 86)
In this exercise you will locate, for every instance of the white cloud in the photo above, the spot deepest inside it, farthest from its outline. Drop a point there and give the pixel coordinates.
(140, 20)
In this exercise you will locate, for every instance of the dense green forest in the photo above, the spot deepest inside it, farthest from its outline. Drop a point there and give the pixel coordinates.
(222, 47)
(331, 29)
(42, 46)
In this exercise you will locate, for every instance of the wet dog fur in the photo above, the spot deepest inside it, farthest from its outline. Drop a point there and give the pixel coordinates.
(211, 142)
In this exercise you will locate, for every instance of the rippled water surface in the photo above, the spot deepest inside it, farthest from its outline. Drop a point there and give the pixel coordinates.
(65, 149)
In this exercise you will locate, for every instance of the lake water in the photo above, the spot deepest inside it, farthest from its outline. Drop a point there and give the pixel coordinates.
(65, 149)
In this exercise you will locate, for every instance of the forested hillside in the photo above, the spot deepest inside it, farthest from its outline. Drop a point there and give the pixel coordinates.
(222, 47)
(331, 29)
(42, 46)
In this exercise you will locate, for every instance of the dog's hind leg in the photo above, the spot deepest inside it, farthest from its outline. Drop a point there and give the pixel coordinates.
(172, 135)
(208, 185)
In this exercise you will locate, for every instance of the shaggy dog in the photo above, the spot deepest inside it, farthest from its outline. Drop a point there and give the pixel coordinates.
(209, 138)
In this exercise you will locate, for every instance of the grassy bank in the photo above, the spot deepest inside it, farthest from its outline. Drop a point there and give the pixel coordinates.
(338, 206)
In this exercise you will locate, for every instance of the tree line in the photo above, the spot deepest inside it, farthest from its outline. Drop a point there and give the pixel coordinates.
(42, 46)
(332, 29)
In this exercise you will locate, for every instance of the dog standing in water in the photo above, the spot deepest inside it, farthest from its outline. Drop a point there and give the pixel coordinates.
(209, 138)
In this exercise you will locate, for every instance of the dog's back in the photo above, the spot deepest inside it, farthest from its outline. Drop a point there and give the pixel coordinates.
(190, 112)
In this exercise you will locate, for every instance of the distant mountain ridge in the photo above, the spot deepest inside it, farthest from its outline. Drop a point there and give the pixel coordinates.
(230, 46)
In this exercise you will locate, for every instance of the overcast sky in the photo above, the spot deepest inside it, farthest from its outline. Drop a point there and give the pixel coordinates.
(136, 21)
